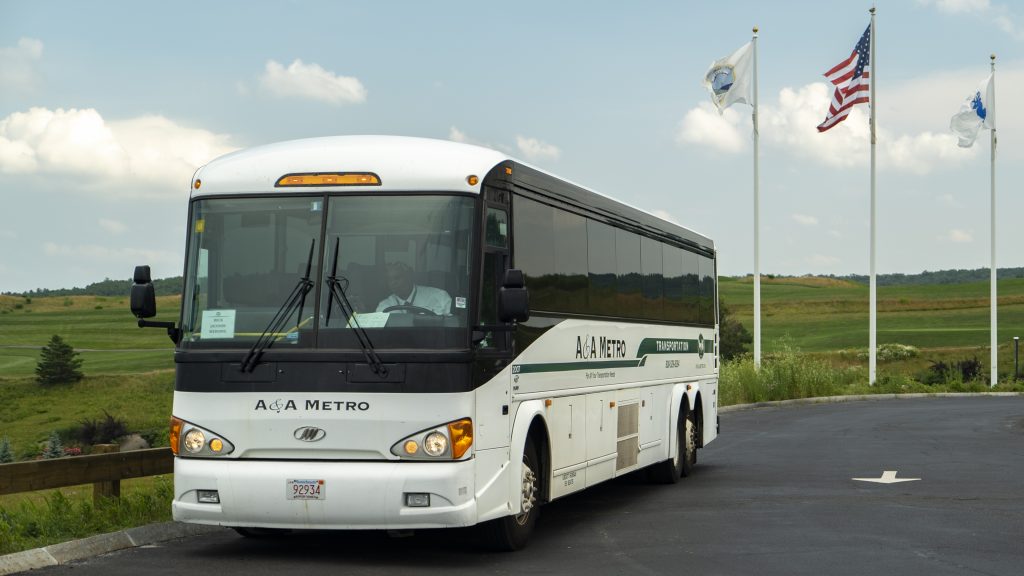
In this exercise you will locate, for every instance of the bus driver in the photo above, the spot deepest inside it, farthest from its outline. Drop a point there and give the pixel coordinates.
(407, 296)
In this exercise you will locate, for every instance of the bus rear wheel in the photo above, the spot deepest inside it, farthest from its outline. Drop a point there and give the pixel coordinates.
(684, 456)
(513, 532)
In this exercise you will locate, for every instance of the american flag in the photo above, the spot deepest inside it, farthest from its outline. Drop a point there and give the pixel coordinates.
(852, 79)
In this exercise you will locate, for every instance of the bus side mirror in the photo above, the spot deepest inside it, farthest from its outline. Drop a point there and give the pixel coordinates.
(513, 298)
(143, 298)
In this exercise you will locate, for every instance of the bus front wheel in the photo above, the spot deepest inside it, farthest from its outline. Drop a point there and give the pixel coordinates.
(513, 532)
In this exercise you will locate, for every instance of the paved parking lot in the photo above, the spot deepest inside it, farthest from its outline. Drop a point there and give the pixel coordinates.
(773, 495)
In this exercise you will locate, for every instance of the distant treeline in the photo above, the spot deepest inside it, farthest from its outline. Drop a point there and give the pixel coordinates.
(173, 286)
(108, 287)
(937, 277)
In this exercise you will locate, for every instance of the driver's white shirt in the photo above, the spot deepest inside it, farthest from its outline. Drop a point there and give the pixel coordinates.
(434, 299)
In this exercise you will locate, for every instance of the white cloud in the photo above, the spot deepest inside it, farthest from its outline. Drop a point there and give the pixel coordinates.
(792, 125)
(148, 155)
(805, 219)
(534, 149)
(456, 135)
(959, 236)
(311, 82)
(949, 201)
(822, 260)
(665, 216)
(17, 64)
(835, 233)
(9, 234)
(704, 126)
(95, 253)
(1000, 14)
(957, 6)
(113, 226)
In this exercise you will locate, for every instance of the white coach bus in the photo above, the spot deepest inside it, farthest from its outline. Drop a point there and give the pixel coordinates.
(401, 333)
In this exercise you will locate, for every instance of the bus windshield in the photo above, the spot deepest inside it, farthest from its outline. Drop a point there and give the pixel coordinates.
(398, 268)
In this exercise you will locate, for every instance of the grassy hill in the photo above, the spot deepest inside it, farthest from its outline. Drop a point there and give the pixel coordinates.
(825, 314)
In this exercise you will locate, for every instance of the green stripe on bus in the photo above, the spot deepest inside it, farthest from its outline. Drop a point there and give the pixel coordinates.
(567, 366)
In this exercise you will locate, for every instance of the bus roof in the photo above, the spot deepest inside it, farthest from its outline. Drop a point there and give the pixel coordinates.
(402, 163)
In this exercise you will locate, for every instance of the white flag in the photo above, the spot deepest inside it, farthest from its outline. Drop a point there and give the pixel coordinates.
(730, 80)
(978, 111)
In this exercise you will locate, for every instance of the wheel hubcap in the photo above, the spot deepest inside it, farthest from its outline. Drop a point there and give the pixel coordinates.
(529, 494)
(691, 439)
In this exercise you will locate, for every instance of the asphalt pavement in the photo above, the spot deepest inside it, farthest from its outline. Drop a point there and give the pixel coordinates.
(774, 494)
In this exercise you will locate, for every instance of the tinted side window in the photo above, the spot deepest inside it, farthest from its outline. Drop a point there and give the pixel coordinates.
(627, 259)
(691, 288)
(570, 248)
(533, 239)
(707, 290)
(652, 267)
(672, 261)
(601, 267)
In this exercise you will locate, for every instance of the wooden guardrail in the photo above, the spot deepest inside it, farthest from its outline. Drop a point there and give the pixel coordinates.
(104, 471)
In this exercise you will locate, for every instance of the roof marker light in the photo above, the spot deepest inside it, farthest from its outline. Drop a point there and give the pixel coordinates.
(329, 179)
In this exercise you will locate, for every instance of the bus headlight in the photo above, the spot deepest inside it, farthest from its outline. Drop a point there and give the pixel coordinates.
(187, 439)
(194, 440)
(435, 444)
(449, 441)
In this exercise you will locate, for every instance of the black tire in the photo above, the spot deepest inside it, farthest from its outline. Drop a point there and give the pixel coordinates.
(513, 532)
(685, 454)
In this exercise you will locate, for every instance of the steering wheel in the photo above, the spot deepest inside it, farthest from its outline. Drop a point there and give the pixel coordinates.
(410, 308)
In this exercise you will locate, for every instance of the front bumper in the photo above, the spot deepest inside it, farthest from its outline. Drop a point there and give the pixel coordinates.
(357, 495)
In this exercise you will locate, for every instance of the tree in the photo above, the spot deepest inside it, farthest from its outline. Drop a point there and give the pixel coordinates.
(734, 336)
(53, 448)
(58, 363)
(6, 454)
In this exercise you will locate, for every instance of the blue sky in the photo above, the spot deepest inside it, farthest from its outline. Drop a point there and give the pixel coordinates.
(106, 108)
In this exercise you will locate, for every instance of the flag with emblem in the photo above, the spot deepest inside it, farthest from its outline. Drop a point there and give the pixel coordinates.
(976, 112)
(729, 80)
(852, 79)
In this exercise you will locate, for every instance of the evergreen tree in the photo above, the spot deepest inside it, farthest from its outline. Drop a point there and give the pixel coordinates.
(5, 451)
(54, 448)
(734, 335)
(58, 363)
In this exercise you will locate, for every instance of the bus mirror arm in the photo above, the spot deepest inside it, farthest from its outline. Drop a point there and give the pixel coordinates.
(143, 303)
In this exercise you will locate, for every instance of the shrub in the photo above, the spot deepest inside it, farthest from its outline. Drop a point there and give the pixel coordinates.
(734, 337)
(6, 454)
(58, 363)
(884, 352)
(53, 448)
(105, 431)
(955, 372)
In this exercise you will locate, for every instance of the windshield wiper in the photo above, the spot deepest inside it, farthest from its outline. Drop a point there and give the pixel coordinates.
(337, 294)
(296, 301)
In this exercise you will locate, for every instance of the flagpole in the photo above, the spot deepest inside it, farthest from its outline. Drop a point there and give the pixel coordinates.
(757, 223)
(873, 341)
(993, 297)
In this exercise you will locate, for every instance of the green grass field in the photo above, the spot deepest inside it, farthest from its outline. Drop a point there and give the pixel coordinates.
(822, 315)
(102, 328)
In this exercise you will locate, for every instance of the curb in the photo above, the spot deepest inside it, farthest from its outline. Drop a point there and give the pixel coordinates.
(65, 552)
(858, 398)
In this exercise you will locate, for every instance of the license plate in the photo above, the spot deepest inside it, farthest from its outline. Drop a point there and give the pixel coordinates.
(306, 490)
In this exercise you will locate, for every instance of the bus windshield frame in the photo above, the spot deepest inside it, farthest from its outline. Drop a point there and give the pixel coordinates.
(404, 262)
